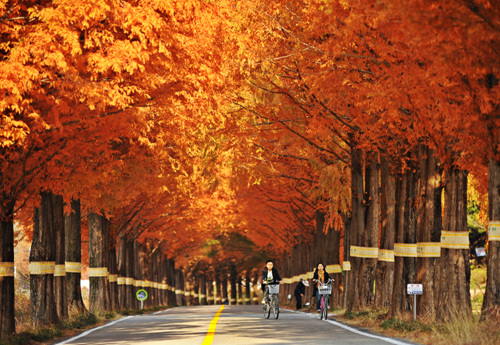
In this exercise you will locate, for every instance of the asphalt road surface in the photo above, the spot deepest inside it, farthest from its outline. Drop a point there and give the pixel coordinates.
(225, 325)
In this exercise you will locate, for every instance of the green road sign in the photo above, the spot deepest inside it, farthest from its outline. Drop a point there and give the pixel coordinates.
(141, 295)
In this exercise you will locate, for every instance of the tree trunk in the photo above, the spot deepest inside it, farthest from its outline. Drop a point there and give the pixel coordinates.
(406, 233)
(98, 263)
(196, 287)
(223, 280)
(60, 288)
(233, 280)
(130, 278)
(248, 296)
(7, 317)
(346, 263)
(218, 288)
(385, 269)
(203, 289)
(139, 273)
(179, 287)
(172, 297)
(491, 303)
(122, 271)
(428, 230)
(371, 231)
(73, 238)
(42, 264)
(113, 275)
(454, 297)
(357, 228)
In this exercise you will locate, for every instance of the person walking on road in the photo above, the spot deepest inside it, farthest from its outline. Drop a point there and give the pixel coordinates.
(300, 291)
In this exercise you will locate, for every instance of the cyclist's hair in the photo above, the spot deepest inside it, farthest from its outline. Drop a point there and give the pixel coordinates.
(269, 261)
(318, 265)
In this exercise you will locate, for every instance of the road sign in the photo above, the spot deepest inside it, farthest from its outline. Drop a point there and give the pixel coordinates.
(141, 295)
(415, 289)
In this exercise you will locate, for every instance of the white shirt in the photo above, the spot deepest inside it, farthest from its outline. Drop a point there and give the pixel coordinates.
(270, 274)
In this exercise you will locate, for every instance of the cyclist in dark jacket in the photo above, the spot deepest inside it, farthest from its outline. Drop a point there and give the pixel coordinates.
(269, 275)
(320, 277)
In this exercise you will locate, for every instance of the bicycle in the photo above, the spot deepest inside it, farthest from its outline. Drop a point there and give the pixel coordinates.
(325, 290)
(272, 301)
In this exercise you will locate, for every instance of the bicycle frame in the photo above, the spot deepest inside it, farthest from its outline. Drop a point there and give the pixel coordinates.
(272, 303)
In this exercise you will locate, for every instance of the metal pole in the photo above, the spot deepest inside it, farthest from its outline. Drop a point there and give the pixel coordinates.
(142, 303)
(414, 307)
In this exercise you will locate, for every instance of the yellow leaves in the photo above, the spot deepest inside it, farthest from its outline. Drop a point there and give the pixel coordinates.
(12, 132)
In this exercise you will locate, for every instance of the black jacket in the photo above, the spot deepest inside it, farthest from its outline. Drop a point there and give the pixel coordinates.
(300, 289)
(315, 278)
(276, 276)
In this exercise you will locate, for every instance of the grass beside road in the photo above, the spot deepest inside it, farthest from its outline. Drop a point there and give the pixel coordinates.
(458, 331)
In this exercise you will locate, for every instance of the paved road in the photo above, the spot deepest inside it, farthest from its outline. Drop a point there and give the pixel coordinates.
(235, 325)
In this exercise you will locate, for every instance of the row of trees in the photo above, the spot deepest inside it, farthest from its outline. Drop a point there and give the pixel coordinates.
(232, 132)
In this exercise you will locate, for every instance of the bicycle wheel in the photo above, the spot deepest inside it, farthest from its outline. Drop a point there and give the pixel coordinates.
(325, 310)
(322, 307)
(276, 307)
(267, 310)
(272, 306)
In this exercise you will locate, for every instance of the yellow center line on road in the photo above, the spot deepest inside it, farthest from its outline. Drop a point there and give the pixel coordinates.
(211, 329)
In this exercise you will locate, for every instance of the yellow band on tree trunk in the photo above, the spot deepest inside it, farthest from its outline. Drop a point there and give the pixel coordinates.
(96, 272)
(73, 267)
(428, 249)
(455, 239)
(406, 250)
(60, 271)
(364, 252)
(386, 255)
(41, 267)
(6, 269)
(494, 230)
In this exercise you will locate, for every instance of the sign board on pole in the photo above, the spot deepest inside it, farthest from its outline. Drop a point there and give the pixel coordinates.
(480, 252)
(141, 295)
(415, 289)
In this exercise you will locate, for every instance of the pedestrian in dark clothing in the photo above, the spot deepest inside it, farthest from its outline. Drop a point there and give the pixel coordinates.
(300, 291)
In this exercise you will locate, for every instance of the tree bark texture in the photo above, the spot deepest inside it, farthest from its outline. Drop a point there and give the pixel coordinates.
(233, 280)
(122, 271)
(429, 229)
(43, 250)
(357, 228)
(60, 288)
(7, 317)
(113, 275)
(491, 303)
(139, 273)
(73, 239)
(179, 287)
(130, 267)
(172, 299)
(385, 269)
(454, 296)
(406, 224)
(203, 289)
(98, 259)
(370, 236)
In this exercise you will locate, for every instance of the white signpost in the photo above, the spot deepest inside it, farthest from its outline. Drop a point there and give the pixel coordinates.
(141, 296)
(414, 289)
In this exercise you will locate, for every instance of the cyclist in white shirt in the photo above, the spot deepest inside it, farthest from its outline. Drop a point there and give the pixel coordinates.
(270, 275)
